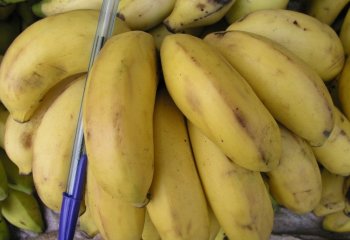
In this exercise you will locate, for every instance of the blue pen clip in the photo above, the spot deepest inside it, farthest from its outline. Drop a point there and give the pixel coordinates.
(76, 181)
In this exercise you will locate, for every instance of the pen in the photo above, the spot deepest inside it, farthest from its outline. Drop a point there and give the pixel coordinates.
(77, 174)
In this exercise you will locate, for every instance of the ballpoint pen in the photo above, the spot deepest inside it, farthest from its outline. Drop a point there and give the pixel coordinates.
(77, 174)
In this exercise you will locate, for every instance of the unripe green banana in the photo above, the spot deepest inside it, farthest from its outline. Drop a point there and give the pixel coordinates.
(196, 13)
(53, 145)
(218, 100)
(311, 40)
(118, 116)
(332, 199)
(293, 93)
(23, 183)
(23, 211)
(344, 34)
(288, 182)
(238, 197)
(243, 7)
(56, 47)
(176, 189)
(334, 154)
(4, 229)
(326, 10)
(344, 89)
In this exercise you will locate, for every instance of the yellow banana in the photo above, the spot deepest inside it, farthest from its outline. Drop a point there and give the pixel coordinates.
(86, 222)
(332, 199)
(3, 118)
(178, 206)
(344, 89)
(53, 144)
(115, 219)
(46, 8)
(243, 7)
(221, 235)
(19, 136)
(334, 154)
(326, 10)
(293, 93)
(296, 183)
(23, 211)
(314, 42)
(336, 222)
(144, 14)
(149, 230)
(214, 227)
(45, 53)
(118, 115)
(196, 13)
(216, 98)
(344, 34)
(238, 197)
(23, 183)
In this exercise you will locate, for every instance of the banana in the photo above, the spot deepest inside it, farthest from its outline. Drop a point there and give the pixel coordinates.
(336, 222)
(3, 118)
(293, 93)
(216, 98)
(53, 145)
(19, 136)
(178, 207)
(288, 182)
(4, 230)
(314, 42)
(23, 183)
(334, 154)
(332, 198)
(214, 227)
(344, 33)
(243, 7)
(238, 197)
(346, 193)
(344, 89)
(326, 10)
(114, 218)
(46, 8)
(144, 14)
(9, 30)
(149, 230)
(196, 13)
(23, 211)
(3, 182)
(221, 235)
(6, 11)
(118, 115)
(47, 52)
(86, 222)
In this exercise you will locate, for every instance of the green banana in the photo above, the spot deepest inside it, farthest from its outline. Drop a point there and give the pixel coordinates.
(23, 211)
(23, 183)
(4, 229)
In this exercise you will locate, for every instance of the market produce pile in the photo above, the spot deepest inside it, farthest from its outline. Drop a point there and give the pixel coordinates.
(200, 117)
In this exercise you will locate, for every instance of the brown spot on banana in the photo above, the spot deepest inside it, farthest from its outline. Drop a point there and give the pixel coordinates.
(26, 140)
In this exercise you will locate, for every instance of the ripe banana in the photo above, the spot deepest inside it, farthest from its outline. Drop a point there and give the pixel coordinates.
(4, 230)
(19, 136)
(23, 183)
(118, 115)
(344, 89)
(216, 98)
(86, 222)
(326, 10)
(114, 218)
(149, 230)
(178, 205)
(336, 222)
(214, 227)
(3, 181)
(56, 47)
(288, 182)
(221, 235)
(334, 154)
(332, 198)
(53, 144)
(344, 34)
(243, 7)
(46, 8)
(196, 13)
(314, 42)
(23, 211)
(293, 93)
(238, 197)
(3, 118)
(144, 14)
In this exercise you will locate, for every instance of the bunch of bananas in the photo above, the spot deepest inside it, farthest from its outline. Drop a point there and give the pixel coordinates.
(198, 116)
